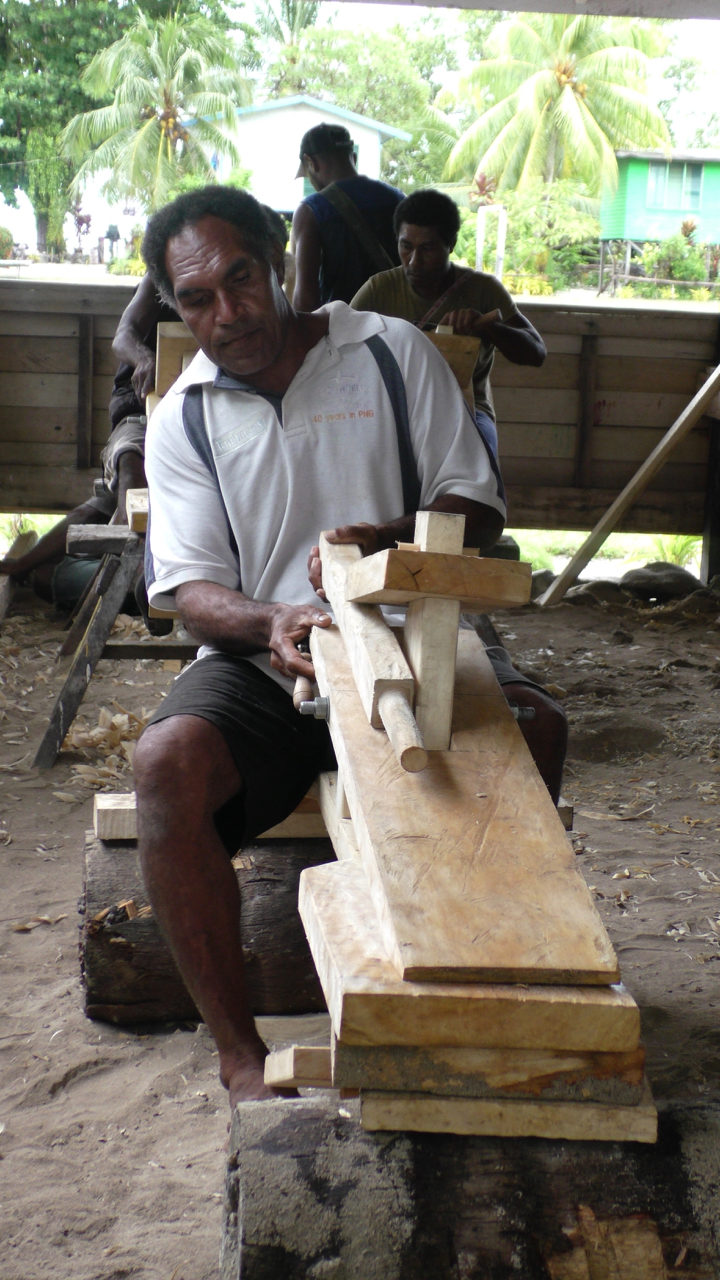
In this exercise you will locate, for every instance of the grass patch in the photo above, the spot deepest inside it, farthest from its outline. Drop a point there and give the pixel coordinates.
(13, 524)
(544, 548)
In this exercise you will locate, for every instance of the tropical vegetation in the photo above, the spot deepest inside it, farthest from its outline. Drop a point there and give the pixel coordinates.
(176, 84)
(557, 95)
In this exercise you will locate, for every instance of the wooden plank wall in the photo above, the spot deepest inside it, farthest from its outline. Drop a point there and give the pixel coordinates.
(56, 373)
(571, 433)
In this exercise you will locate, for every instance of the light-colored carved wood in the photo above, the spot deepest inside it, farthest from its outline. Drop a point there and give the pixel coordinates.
(572, 1121)
(115, 818)
(298, 1066)
(469, 867)
(370, 1005)
(481, 584)
(136, 506)
(431, 630)
(333, 806)
(174, 342)
(377, 659)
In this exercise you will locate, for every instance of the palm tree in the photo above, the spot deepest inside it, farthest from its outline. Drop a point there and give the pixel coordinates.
(566, 93)
(176, 83)
(283, 21)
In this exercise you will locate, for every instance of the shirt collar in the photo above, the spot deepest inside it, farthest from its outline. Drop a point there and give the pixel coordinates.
(345, 326)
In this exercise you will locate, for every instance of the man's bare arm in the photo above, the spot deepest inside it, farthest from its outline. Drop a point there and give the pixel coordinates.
(516, 337)
(306, 245)
(129, 346)
(231, 621)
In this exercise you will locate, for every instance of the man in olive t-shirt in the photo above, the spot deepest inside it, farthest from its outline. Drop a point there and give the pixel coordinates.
(428, 289)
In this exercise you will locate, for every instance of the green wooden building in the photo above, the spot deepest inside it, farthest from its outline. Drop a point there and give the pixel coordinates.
(656, 193)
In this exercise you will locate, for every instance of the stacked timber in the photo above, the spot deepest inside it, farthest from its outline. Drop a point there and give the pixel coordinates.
(471, 985)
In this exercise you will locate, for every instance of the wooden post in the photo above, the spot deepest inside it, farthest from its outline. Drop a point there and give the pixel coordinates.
(640, 480)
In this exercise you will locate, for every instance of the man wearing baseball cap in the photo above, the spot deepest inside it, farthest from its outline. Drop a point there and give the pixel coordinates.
(343, 233)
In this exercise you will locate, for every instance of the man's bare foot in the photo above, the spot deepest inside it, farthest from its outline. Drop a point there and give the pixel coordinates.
(245, 1080)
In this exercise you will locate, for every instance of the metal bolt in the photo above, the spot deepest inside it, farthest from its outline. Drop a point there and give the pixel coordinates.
(318, 707)
(522, 713)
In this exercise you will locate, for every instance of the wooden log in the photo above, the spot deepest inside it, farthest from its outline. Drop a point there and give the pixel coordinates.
(127, 971)
(310, 1193)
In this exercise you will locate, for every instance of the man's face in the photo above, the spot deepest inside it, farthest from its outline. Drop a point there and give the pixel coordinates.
(424, 258)
(231, 302)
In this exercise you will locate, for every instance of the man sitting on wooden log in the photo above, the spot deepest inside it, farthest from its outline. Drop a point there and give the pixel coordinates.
(284, 424)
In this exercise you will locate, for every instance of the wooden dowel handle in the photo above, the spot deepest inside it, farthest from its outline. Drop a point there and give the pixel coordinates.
(303, 691)
(401, 728)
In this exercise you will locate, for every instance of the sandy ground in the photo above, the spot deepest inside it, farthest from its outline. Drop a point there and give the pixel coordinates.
(112, 1142)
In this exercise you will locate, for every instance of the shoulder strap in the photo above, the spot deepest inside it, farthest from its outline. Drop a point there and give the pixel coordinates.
(440, 305)
(193, 417)
(354, 219)
(395, 387)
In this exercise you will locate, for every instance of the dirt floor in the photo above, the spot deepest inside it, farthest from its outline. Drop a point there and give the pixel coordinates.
(112, 1142)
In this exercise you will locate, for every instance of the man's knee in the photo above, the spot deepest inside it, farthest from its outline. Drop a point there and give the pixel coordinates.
(184, 762)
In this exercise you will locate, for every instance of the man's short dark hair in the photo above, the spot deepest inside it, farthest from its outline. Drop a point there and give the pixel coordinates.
(429, 208)
(232, 204)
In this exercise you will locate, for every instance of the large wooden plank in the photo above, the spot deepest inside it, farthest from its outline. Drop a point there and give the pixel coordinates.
(572, 1121)
(46, 296)
(656, 511)
(559, 372)
(476, 1073)
(48, 390)
(675, 377)
(370, 1005)
(471, 872)
(48, 354)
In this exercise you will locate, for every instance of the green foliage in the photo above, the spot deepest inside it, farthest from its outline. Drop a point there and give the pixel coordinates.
(386, 77)
(44, 46)
(133, 266)
(556, 97)
(679, 548)
(284, 21)
(162, 76)
(6, 242)
(552, 237)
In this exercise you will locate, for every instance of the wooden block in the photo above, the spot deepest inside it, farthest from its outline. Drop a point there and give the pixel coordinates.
(96, 539)
(431, 631)
(339, 827)
(114, 815)
(545, 1074)
(378, 662)
(115, 818)
(136, 505)
(572, 1121)
(460, 351)
(480, 583)
(471, 873)
(370, 1005)
(298, 1066)
(174, 342)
